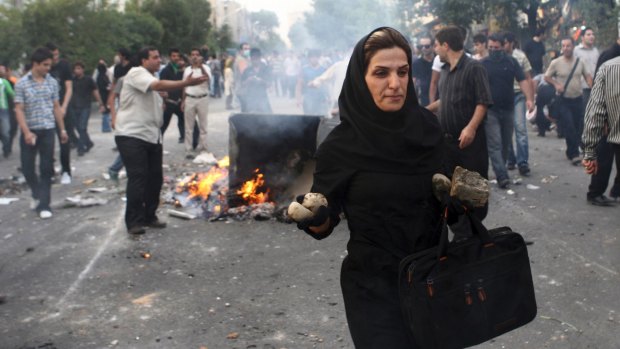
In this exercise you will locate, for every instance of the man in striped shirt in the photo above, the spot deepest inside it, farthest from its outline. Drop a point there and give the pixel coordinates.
(603, 113)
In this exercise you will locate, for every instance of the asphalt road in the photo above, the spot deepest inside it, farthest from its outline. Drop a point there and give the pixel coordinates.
(79, 281)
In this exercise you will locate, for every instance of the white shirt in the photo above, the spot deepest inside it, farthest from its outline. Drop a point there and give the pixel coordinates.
(198, 90)
(140, 114)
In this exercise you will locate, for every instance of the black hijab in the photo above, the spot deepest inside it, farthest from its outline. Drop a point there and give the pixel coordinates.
(407, 141)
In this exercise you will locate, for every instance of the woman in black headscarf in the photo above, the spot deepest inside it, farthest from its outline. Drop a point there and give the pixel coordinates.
(377, 168)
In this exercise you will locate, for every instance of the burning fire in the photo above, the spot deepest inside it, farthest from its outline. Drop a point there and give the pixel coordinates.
(249, 189)
(203, 185)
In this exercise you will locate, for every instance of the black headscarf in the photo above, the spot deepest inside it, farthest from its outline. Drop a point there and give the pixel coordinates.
(407, 141)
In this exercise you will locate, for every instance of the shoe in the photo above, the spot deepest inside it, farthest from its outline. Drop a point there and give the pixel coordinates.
(45, 214)
(181, 140)
(576, 161)
(511, 167)
(524, 170)
(90, 146)
(157, 224)
(81, 153)
(113, 175)
(601, 200)
(503, 184)
(137, 230)
(189, 156)
(34, 203)
(66, 178)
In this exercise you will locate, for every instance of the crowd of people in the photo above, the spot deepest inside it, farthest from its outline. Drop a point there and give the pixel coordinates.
(513, 84)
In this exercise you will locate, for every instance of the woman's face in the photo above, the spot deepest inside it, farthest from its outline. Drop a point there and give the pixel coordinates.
(387, 77)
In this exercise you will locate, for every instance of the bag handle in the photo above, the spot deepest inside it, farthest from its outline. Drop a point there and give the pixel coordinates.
(477, 228)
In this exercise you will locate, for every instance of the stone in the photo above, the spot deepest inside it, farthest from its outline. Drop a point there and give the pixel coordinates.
(469, 187)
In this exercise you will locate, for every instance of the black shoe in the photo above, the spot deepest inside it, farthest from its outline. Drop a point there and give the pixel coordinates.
(90, 146)
(157, 224)
(137, 230)
(181, 140)
(81, 153)
(510, 167)
(524, 170)
(601, 200)
(503, 184)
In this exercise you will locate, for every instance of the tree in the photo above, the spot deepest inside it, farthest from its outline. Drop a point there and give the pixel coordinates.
(264, 24)
(13, 42)
(184, 22)
(224, 38)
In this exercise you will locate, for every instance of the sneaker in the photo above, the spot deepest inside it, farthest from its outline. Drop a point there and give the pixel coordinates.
(190, 156)
(503, 183)
(157, 224)
(113, 175)
(511, 167)
(524, 170)
(34, 203)
(66, 178)
(45, 214)
(137, 230)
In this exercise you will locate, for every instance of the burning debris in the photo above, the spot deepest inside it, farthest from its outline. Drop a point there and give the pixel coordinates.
(207, 195)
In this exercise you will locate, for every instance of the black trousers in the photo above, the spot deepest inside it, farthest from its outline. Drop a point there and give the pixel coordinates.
(170, 109)
(475, 157)
(65, 151)
(143, 161)
(605, 159)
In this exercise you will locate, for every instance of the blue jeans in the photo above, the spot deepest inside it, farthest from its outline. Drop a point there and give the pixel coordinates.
(81, 116)
(106, 122)
(5, 131)
(117, 165)
(498, 125)
(520, 126)
(40, 185)
(570, 118)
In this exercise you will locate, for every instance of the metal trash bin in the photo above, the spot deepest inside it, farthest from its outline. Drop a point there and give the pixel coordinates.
(278, 145)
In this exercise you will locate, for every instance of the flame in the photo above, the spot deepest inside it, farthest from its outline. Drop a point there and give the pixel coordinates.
(248, 190)
(225, 162)
(202, 184)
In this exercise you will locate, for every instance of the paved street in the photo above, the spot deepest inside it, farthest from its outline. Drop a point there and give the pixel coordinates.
(79, 281)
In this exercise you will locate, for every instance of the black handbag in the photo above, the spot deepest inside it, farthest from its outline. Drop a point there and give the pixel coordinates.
(460, 294)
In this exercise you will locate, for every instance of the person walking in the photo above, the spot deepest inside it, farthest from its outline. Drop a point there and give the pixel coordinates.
(173, 72)
(38, 114)
(503, 70)
(84, 88)
(139, 139)
(464, 97)
(377, 167)
(602, 116)
(61, 71)
(565, 73)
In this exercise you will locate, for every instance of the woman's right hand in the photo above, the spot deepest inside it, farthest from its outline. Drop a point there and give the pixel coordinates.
(311, 213)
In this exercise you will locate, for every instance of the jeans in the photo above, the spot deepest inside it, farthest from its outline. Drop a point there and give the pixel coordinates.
(570, 118)
(170, 109)
(40, 185)
(498, 126)
(520, 127)
(81, 117)
(5, 131)
(143, 162)
(106, 122)
(65, 152)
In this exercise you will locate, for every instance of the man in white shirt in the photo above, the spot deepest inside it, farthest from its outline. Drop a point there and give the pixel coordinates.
(589, 55)
(139, 140)
(195, 104)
